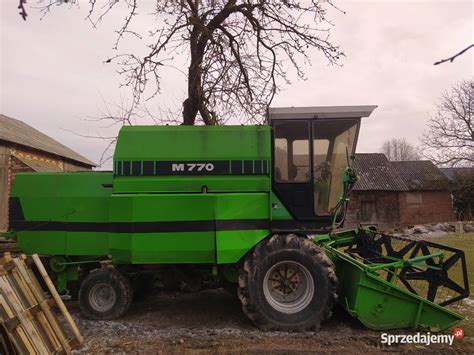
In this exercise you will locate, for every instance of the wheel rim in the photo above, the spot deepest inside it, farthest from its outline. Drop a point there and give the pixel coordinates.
(288, 287)
(102, 297)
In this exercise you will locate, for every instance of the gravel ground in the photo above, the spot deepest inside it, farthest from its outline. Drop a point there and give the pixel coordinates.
(212, 322)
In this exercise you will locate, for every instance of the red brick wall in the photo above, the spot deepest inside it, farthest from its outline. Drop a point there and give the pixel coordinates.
(390, 208)
(373, 207)
(425, 207)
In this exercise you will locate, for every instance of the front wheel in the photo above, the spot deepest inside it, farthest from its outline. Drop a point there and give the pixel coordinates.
(287, 283)
(105, 294)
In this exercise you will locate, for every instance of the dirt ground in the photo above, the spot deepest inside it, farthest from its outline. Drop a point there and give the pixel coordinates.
(212, 322)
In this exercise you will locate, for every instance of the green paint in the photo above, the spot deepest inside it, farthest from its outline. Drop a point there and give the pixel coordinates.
(279, 211)
(377, 303)
(193, 143)
(224, 183)
(233, 245)
(71, 273)
(82, 198)
(162, 219)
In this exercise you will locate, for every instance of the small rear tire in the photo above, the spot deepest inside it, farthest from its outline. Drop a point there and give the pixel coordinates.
(287, 283)
(105, 294)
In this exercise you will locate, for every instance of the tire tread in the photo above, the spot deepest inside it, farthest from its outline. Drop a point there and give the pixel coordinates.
(254, 259)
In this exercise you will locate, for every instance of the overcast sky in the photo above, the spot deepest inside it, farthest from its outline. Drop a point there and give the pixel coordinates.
(53, 75)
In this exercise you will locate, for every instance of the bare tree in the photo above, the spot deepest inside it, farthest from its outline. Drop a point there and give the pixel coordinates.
(398, 149)
(449, 139)
(239, 51)
(462, 189)
(113, 116)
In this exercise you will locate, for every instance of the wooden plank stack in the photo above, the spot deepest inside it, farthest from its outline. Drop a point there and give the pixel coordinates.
(8, 245)
(29, 322)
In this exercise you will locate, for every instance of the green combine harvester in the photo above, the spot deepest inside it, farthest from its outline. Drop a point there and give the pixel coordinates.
(256, 209)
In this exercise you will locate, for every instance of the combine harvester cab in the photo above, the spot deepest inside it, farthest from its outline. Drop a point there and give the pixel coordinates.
(250, 207)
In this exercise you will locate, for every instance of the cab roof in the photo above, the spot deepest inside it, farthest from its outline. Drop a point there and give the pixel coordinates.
(318, 112)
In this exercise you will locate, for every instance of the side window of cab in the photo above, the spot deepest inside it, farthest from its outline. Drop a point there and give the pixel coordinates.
(292, 159)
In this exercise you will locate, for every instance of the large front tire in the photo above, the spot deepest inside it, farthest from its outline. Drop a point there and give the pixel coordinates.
(105, 294)
(287, 283)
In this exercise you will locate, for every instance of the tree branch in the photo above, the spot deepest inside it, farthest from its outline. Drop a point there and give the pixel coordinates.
(21, 7)
(451, 59)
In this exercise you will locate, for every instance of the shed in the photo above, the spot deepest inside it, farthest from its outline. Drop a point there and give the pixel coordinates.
(375, 198)
(428, 198)
(398, 193)
(25, 149)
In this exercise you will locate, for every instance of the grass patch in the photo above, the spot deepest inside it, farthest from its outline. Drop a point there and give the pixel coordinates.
(464, 242)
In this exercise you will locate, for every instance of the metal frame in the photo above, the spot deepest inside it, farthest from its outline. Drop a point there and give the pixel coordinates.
(370, 247)
(310, 115)
(368, 287)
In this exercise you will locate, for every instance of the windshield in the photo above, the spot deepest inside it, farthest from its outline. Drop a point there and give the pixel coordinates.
(333, 144)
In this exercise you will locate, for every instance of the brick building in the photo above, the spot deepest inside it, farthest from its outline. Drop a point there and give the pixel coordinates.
(376, 195)
(428, 198)
(25, 149)
(398, 193)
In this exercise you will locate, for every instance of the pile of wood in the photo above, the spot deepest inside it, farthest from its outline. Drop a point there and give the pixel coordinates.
(30, 321)
(8, 245)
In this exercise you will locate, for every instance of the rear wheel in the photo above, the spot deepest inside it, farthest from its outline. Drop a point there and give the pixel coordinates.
(287, 283)
(105, 294)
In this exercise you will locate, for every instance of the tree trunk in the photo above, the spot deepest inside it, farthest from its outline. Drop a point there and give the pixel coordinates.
(191, 104)
(196, 102)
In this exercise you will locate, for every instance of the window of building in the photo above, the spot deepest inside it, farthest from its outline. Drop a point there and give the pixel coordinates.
(414, 198)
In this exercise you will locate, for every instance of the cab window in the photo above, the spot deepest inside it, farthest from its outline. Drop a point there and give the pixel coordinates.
(292, 160)
(333, 144)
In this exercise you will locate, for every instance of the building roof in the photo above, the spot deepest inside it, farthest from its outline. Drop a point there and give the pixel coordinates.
(39, 165)
(421, 175)
(375, 173)
(18, 132)
(452, 173)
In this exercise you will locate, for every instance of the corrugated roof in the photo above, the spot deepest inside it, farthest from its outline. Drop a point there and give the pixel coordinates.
(375, 172)
(421, 175)
(18, 132)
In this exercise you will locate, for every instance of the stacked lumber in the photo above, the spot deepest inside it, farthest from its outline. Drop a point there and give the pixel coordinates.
(8, 245)
(29, 319)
